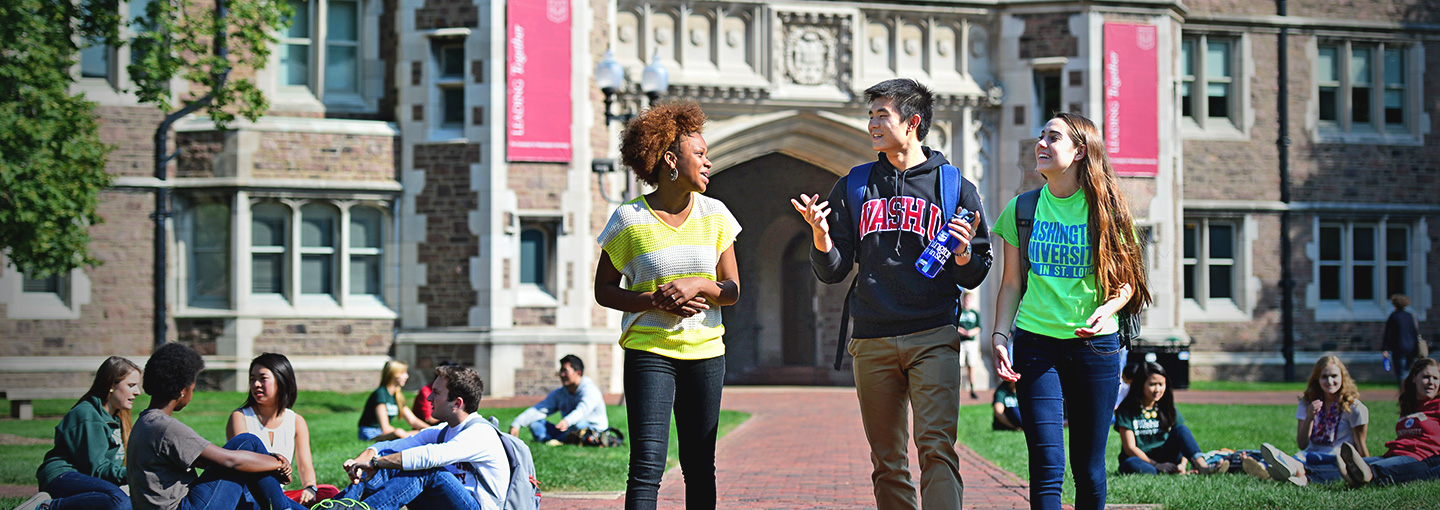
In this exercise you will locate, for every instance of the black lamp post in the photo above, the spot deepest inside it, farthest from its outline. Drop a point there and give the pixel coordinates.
(610, 77)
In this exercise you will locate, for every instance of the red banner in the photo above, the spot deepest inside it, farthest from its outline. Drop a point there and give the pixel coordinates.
(537, 115)
(1132, 115)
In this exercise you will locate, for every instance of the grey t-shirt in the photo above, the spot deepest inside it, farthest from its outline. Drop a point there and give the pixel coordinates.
(159, 460)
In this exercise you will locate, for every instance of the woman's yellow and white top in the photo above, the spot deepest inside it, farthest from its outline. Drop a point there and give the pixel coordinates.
(649, 253)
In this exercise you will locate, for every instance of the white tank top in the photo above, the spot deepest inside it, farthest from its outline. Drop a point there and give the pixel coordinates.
(279, 439)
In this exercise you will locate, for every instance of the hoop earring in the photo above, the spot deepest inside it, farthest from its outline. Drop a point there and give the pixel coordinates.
(674, 174)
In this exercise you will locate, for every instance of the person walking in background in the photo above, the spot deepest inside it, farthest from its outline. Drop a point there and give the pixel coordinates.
(1402, 334)
(1330, 414)
(1153, 435)
(668, 262)
(86, 467)
(385, 404)
(967, 323)
(905, 344)
(268, 414)
(1085, 266)
(578, 400)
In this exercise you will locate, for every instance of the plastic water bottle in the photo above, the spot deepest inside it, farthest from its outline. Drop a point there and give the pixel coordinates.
(941, 247)
(1387, 363)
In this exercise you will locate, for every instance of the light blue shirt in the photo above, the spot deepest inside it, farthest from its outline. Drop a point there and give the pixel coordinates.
(586, 405)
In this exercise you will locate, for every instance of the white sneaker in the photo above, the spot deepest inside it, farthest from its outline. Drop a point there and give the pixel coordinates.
(35, 501)
(1255, 469)
(1352, 466)
(1283, 467)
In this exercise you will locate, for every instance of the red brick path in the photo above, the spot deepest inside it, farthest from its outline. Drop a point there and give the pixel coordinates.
(805, 448)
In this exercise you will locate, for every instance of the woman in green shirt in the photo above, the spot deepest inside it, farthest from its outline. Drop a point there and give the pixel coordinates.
(87, 465)
(385, 404)
(1153, 435)
(1085, 266)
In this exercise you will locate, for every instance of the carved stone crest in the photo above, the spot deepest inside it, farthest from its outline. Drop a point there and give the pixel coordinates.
(810, 55)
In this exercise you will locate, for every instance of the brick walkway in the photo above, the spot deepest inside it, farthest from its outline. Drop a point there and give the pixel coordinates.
(805, 448)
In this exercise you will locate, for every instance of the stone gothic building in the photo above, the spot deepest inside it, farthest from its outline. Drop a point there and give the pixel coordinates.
(432, 174)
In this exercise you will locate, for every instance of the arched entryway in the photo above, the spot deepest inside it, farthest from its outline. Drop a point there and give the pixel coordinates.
(783, 328)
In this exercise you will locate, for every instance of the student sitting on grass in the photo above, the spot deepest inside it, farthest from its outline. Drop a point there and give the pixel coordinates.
(1153, 435)
(87, 465)
(1330, 414)
(577, 400)
(461, 465)
(267, 414)
(163, 453)
(386, 403)
(1006, 407)
(1413, 455)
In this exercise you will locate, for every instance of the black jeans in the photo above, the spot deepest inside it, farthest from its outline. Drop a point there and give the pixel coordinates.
(652, 385)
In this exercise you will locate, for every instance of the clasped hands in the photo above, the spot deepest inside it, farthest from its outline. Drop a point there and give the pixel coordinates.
(681, 297)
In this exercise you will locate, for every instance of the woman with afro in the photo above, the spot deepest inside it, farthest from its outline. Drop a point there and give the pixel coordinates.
(668, 262)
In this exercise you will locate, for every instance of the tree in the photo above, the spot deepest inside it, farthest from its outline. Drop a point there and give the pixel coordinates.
(52, 162)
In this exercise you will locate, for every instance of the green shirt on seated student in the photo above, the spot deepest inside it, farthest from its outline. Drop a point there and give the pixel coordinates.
(1146, 426)
(377, 397)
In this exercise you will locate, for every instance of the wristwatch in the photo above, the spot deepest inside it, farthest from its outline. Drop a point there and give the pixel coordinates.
(313, 490)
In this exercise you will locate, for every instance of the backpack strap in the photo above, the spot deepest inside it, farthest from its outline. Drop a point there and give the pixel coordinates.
(855, 183)
(1024, 221)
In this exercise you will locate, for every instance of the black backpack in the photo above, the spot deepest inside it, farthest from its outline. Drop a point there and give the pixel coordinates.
(1025, 206)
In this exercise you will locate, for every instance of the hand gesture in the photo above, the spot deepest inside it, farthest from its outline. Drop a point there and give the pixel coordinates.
(814, 211)
(563, 426)
(1002, 361)
(306, 497)
(1315, 407)
(681, 297)
(1094, 324)
(282, 473)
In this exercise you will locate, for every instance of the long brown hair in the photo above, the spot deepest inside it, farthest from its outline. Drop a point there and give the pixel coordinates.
(1409, 397)
(113, 370)
(1349, 394)
(1113, 242)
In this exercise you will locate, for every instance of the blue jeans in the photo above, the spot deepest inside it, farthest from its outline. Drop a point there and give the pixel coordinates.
(79, 490)
(652, 383)
(545, 431)
(1179, 445)
(369, 433)
(1061, 379)
(1387, 470)
(435, 488)
(225, 488)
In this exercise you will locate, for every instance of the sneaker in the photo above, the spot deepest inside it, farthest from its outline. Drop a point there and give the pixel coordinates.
(1255, 469)
(1352, 466)
(553, 442)
(1283, 467)
(40, 501)
(345, 503)
(1221, 467)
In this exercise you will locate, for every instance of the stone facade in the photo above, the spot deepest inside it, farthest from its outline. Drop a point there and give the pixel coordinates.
(449, 263)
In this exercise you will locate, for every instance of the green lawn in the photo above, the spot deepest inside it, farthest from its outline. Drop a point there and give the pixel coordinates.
(1215, 427)
(332, 418)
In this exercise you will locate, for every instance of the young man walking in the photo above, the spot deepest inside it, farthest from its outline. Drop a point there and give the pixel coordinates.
(905, 343)
(461, 465)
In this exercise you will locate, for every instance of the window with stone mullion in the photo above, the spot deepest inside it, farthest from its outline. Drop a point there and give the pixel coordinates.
(1362, 87)
(1207, 82)
(1208, 256)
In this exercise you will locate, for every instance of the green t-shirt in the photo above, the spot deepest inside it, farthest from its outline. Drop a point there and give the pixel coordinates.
(968, 320)
(1146, 426)
(1061, 291)
(377, 397)
(1006, 397)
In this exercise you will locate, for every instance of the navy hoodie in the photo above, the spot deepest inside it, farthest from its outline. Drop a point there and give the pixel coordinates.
(902, 212)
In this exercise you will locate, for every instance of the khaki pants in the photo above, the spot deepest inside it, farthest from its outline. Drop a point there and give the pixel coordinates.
(891, 374)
